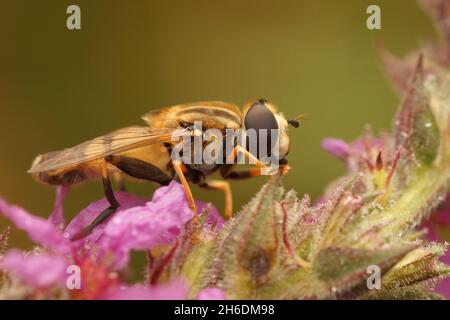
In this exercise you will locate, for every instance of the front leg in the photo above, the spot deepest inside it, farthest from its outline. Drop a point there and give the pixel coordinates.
(227, 172)
(260, 170)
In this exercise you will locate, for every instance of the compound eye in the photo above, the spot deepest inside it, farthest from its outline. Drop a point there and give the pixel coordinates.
(258, 117)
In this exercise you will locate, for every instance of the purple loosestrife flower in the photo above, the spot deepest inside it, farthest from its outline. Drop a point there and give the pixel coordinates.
(176, 289)
(41, 231)
(336, 147)
(40, 270)
(139, 224)
(362, 153)
(211, 294)
(277, 246)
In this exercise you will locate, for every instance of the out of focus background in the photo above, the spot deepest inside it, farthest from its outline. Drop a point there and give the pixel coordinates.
(60, 87)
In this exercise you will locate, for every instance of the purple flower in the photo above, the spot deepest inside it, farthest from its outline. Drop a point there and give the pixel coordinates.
(336, 147)
(57, 215)
(175, 290)
(38, 270)
(138, 224)
(363, 152)
(39, 230)
(211, 294)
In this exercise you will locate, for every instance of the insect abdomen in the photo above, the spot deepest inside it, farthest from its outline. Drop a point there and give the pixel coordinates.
(58, 177)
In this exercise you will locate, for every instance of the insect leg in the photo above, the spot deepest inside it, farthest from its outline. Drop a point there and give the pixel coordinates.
(227, 172)
(233, 156)
(180, 169)
(261, 168)
(118, 177)
(105, 214)
(139, 169)
(225, 187)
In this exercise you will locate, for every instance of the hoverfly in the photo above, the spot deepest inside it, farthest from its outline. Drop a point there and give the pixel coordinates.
(144, 153)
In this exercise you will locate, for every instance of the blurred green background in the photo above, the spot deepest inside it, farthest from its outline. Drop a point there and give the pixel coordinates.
(61, 87)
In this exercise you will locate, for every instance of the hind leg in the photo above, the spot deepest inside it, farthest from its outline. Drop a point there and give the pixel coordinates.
(139, 169)
(105, 214)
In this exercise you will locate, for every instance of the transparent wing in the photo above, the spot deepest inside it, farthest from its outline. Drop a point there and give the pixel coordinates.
(112, 143)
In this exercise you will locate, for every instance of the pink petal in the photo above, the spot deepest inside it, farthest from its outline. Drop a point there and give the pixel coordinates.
(42, 270)
(57, 216)
(175, 290)
(211, 294)
(158, 222)
(87, 215)
(439, 219)
(442, 216)
(431, 231)
(214, 219)
(138, 224)
(336, 147)
(38, 229)
(365, 144)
